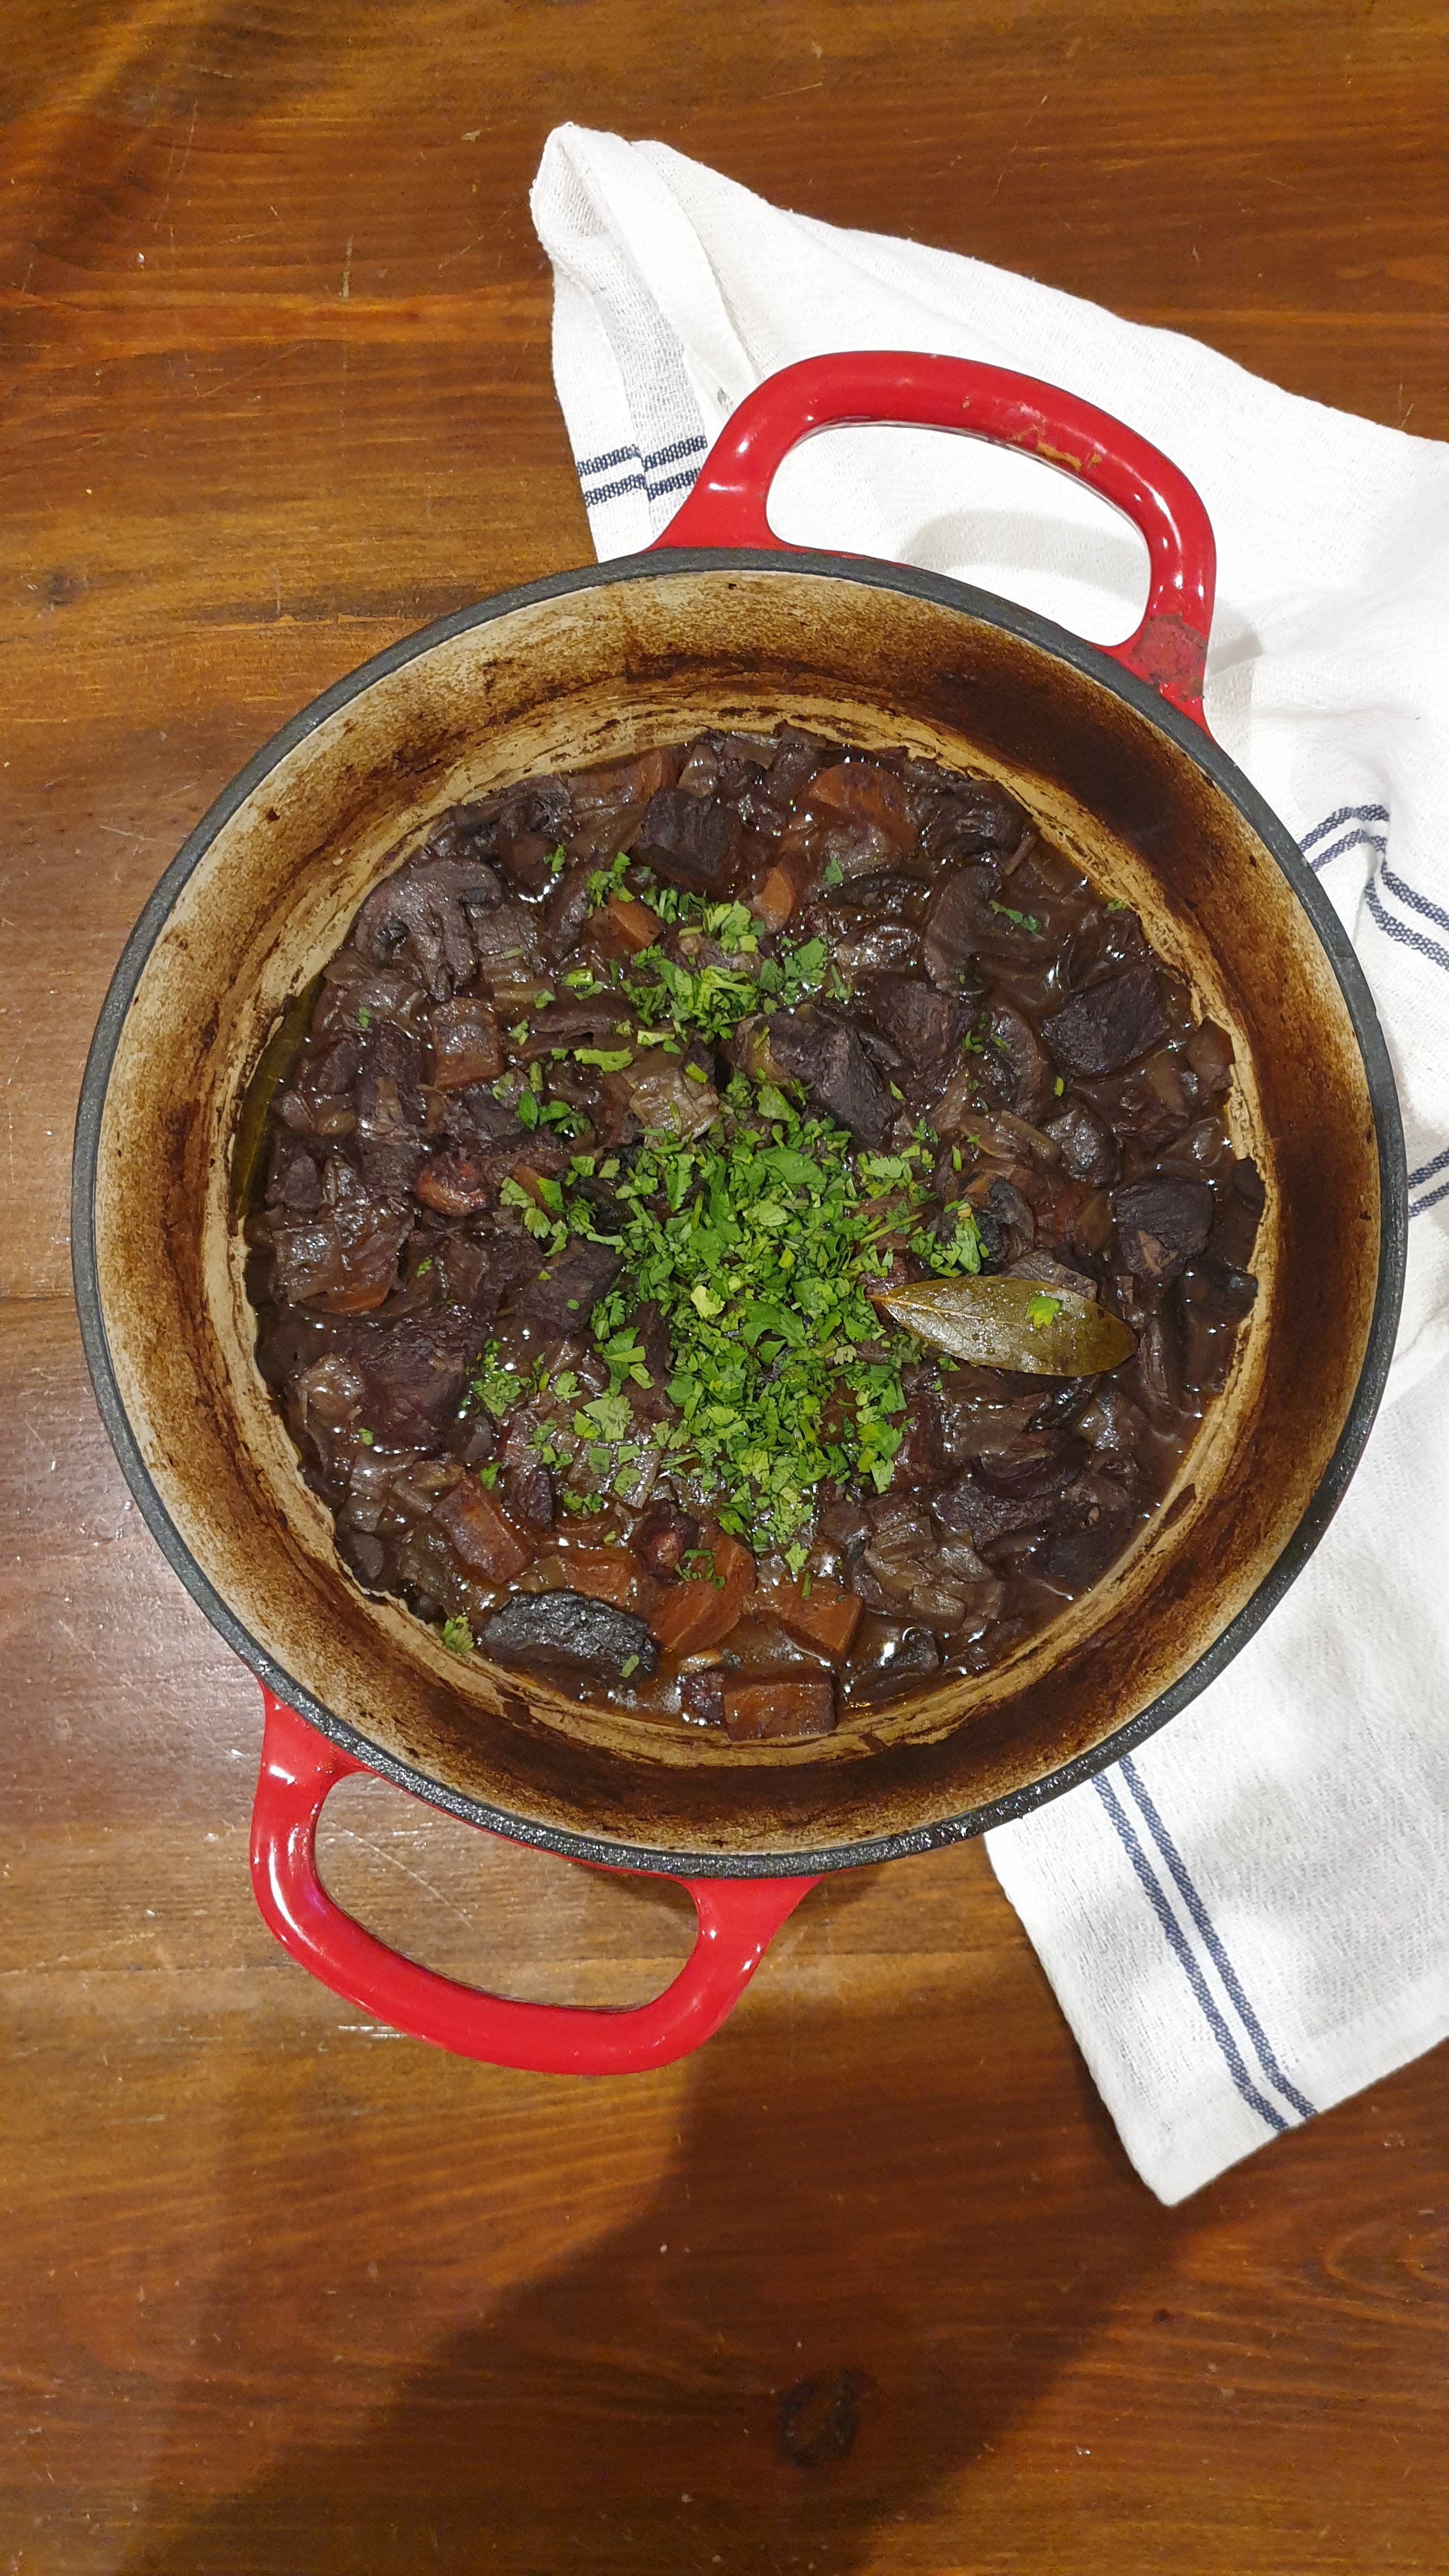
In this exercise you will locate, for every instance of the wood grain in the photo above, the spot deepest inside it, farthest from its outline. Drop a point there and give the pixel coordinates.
(868, 2285)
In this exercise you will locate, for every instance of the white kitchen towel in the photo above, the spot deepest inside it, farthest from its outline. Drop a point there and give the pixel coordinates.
(1249, 1919)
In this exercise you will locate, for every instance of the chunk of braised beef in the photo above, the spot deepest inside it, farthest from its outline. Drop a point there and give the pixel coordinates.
(960, 926)
(662, 1537)
(465, 832)
(880, 1048)
(969, 816)
(1142, 1120)
(970, 1509)
(1088, 1147)
(573, 1632)
(904, 1564)
(692, 843)
(343, 1256)
(862, 944)
(327, 1070)
(424, 913)
(926, 1026)
(459, 1266)
(509, 1262)
(532, 821)
(1020, 1463)
(1110, 1024)
(354, 993)
(390, 1053)
(796, 759)
(1094, 1523)
(474, 1117)
(844, 1521)
(975, 1404)
(389, 1157)
(1161, 1225)
(605, 1213)
(525, 1482)
(415, 1374)
(1074, 1223)
(884, 894)
(608, 801)
(558, 1301)
(829, 1060)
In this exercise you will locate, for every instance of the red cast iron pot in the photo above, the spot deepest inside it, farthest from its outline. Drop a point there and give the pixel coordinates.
(722, 624)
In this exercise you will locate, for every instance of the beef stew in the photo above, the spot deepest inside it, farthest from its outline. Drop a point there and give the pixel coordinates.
(578, 1192)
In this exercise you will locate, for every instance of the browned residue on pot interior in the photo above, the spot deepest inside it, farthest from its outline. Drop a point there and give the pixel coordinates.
(559, 685)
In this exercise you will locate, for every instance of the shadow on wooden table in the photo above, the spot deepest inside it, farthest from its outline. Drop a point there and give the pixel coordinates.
(855, 2278)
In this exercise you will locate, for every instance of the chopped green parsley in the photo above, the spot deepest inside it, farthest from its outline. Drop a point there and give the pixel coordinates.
(758, 1249)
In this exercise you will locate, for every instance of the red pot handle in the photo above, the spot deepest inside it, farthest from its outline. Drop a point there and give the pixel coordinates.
(737, 1919)
(727, 506)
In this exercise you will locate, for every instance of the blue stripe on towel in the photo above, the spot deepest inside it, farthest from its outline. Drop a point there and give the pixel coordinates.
(1330, 823)
(1407, 938)
(1177, 1942)
(1211, 1939)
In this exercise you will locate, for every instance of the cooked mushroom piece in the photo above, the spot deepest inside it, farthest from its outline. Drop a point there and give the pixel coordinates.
(569, 1630)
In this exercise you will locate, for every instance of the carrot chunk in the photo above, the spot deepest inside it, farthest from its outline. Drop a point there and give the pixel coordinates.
(826, 1617)
(604, 1573)
(699, 1609)
(635, 925)
(482, 1533)
(769, 1706)
(774, 899)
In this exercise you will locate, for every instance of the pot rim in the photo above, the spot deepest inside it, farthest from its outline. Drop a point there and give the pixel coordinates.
(1059, 643)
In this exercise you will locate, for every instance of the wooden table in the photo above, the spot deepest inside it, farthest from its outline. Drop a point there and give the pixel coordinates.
(869, 2284)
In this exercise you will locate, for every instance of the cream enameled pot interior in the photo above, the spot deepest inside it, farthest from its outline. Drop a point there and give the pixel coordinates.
(555, 683)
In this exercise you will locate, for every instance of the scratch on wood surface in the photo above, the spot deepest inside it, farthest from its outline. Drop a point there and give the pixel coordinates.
(190, 139)
(415, 1875)
(347, 270)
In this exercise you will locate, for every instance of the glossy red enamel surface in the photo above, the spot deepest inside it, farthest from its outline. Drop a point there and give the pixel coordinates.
(737, 1919)
(728, 505)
